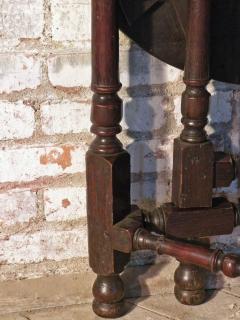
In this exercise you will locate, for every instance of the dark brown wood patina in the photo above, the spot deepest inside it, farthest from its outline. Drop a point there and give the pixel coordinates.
(115, 228)
(108, 165)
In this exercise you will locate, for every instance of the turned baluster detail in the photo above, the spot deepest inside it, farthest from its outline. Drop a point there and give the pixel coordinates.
(106, 116)
(106, 105)
(195, 99)
(193, 153)
(108, 165)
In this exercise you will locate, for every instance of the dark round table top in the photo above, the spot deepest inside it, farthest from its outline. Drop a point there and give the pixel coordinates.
(160, 26)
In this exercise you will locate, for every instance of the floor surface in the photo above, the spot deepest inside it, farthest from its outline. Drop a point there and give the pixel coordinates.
(223, 305)
(68, 297)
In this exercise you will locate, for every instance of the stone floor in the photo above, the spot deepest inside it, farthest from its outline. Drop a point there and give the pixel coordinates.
(69, 297)
(223, 305)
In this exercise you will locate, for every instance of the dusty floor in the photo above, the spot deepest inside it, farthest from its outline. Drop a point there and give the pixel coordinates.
(69, 297)
(223, 305)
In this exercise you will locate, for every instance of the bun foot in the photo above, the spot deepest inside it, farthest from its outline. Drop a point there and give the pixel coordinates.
(189, 285)
(108, 292)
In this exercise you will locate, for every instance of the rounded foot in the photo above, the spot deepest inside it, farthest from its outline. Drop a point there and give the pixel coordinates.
(189, 285)
(108, 292)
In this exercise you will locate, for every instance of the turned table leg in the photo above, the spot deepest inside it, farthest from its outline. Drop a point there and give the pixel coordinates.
(193, 153)
(108, 165)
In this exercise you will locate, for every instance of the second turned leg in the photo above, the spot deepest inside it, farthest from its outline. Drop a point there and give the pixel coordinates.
(189, 284)
(193, 153)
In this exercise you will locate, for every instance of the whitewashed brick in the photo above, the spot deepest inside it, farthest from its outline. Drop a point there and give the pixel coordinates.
(151, 161)
(16, 120)
(21, 18)
(150, 156)
(226, 242)
(70, 70)
(17, 207)
(139, 68)
(221, 86)
(31, 163)
(136, 68)
(19, 72)
(220, 107)
(177, 111)
(65, 117)
(63, 204)
(71, 20)
(157, 191)
(44, 245)
(143, 114)
(234, 134)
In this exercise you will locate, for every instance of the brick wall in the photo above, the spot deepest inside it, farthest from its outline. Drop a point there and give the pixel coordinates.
(44, 118)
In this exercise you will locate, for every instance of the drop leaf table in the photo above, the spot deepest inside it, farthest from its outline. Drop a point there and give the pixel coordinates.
(200, 36)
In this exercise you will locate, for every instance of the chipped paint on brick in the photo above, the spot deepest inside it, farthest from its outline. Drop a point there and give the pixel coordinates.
(45, 102)
(65, 203)
(62, 159)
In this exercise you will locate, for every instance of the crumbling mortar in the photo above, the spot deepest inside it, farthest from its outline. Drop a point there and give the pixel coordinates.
(170, 89)
(40, 204)
(38, 125)
(45, 91)
(37, 224)
(44, 268)
(40, 140)
(47, 30)
(76, 180)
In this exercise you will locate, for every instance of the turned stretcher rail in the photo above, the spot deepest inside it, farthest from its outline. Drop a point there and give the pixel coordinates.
(212, 260)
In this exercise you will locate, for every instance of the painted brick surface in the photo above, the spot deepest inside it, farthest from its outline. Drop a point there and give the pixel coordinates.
(69, 20)
(65, 117)
(17, 207)
(150, 156)
(151, 190)
(65, 203)
(44, 245)
(220, 107)
(19, 72)
(136, 69)
(22, 18)
(144, 114)
(16, 120)
(45, 106)
(70, 70)
(32, 163)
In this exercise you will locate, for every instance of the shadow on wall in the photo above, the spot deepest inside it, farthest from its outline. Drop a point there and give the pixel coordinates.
(148, 122)
(224, 129)
(151, 122)
(224, 132)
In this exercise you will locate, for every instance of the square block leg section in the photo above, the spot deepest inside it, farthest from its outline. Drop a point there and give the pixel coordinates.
(192, 174)
(108, 183)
